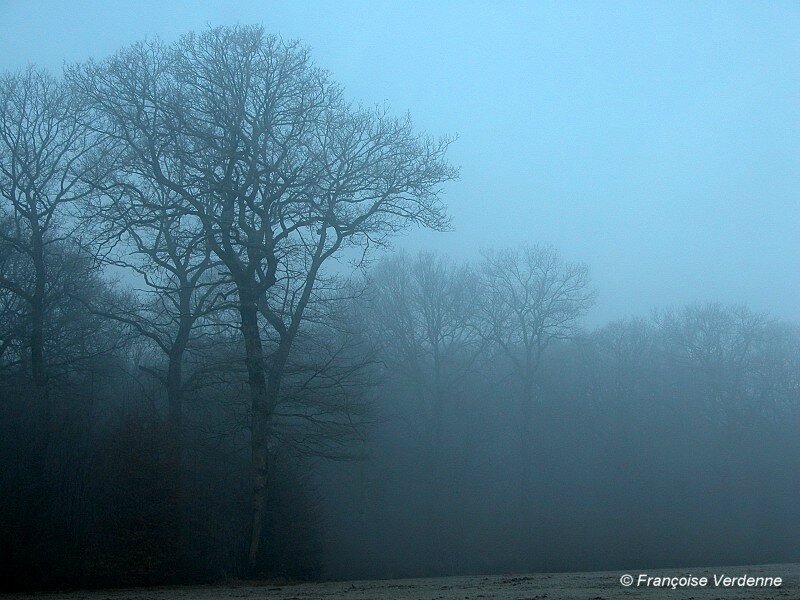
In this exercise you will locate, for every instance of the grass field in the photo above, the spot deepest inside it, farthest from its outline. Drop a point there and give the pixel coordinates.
(541, 586)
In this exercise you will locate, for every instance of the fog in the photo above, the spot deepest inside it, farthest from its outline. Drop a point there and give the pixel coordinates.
(439, 289)
(657, 143)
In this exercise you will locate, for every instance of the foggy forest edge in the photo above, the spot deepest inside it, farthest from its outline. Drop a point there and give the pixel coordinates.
(211, 367)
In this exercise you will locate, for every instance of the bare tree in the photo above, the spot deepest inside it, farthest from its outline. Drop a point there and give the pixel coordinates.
(426, 310)
(13, 274)
(142, 227)
(44, 166)
(718, 347)
(260, 148)
(533, 297)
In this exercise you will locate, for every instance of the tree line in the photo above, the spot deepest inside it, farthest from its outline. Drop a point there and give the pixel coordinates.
(208, 371)
(511, 440)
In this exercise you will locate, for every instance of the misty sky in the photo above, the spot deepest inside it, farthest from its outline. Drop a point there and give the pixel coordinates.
(658, 142)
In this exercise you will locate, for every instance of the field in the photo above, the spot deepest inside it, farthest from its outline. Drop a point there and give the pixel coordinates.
(592, 586)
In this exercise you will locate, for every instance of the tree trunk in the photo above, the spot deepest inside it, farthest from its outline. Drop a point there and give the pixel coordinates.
(526, 410)
(174, 450)
(175, 387)
(175, 376)
(261, 412)
(526, 441)
(175, 406)
(38, 368)
(265, 387)
(261, 439)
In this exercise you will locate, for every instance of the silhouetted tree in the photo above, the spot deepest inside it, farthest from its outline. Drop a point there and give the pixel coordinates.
(426, 310)
(532, 298)
(44, 166)
(260, 147)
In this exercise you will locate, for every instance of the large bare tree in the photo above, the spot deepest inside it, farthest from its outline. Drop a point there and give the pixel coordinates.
(261, 149)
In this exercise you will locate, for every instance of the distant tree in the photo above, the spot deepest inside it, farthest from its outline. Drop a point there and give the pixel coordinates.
(532, 298)
(717, 348)
(423, 312)
(425, 309)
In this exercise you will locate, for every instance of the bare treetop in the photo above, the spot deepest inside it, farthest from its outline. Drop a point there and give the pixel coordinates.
(534, 297)
(258, 142)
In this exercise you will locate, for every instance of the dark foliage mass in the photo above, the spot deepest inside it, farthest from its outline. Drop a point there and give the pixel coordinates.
(205, 375)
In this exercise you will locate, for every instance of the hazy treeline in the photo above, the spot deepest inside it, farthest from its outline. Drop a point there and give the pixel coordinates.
(203, 375)
(666, 440)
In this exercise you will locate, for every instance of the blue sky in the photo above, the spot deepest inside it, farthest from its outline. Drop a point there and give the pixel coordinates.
(659, 142)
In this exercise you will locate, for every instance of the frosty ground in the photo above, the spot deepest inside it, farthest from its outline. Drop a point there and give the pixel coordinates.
(593, 586)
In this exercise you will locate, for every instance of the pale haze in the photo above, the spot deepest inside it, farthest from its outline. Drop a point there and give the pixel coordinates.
(657, 142)
(369, 299)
